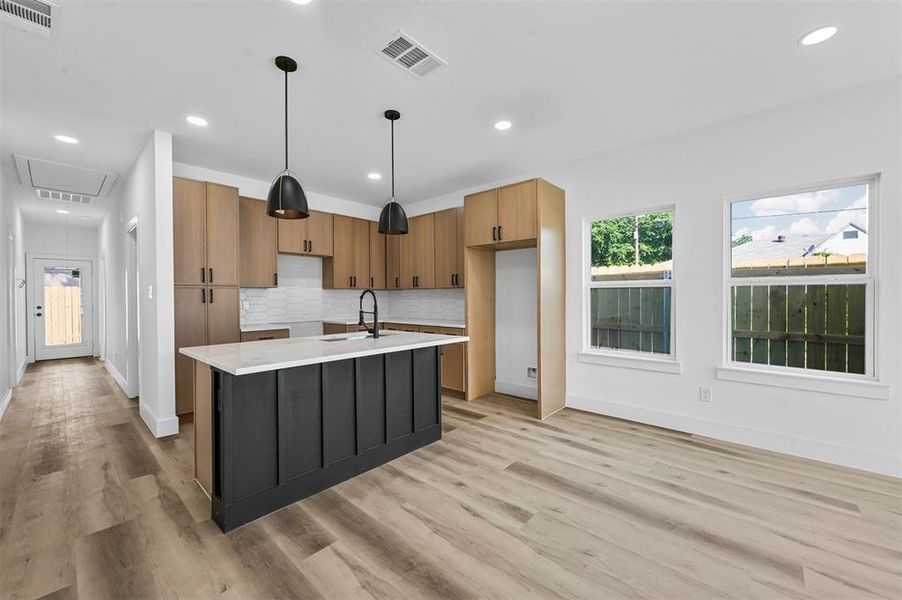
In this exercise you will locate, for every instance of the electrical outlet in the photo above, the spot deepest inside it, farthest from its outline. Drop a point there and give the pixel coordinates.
(532, 373)
(704, 394)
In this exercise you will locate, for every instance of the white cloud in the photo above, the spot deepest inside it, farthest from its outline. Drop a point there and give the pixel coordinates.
(795, 203)
(804, 226)
(857, 217)
(765, 233)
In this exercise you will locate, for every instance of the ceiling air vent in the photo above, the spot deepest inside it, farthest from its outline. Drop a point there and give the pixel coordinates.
(36, 16)
(409, 55)
(63, 196)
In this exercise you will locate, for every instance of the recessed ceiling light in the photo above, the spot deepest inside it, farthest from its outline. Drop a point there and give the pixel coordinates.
(503, 125)
(66, 139)
(62, 212)
(818, 35)
(374, 176)
(302, 2)
(199, 121)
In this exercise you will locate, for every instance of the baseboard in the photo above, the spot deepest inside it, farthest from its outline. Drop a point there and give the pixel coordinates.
(517, 389)
(7, 397)
(847, 456)
(158, 427)
(116, 375)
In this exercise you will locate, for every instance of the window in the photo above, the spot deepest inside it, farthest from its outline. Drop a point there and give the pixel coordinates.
(629, 289)
(800, 290)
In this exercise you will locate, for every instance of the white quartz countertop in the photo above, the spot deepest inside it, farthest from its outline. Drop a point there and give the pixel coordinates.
(268, 355)
(403, 321)
(265, 327)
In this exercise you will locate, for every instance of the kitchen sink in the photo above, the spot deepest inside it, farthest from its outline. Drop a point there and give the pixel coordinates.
(357, 336)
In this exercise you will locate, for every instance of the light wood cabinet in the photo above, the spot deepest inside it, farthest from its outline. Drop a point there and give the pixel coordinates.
(223, 322)
(449, 248)
(222, 232)
(349, 265)
(377, 257)
(258, 241)
(204, 228)
(454, 363)
(190, 330)
(417, 250)
(312, 236)
(265, 334)
(393, 262)
(502, 216)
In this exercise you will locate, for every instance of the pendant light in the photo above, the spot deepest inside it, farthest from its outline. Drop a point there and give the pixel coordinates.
(286, 199)
(393, 220)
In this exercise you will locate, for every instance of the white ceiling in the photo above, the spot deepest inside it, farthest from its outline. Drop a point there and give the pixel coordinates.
(576, 79)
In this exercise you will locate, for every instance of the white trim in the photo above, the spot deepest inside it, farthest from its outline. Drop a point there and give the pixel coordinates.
(812, 381)
(21, 371)
(4, 403)
(869, 279)
(517, 389)
(158, 427)
(111, 368)
(662, 363)
(858, 458)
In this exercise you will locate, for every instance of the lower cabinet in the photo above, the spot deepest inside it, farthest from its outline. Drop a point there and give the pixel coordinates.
(267, 334)
(454, 356)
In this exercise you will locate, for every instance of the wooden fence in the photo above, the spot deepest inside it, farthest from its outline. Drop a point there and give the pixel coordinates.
(62, 315)
(784, 266)
(635, 318)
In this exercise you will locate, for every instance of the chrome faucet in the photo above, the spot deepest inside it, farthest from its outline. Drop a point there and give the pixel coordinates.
(375, 313)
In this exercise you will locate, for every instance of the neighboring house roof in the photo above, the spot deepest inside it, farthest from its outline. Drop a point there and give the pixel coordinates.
(796, 245)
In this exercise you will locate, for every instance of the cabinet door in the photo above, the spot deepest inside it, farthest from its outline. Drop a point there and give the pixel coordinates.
(424, 250)
(461, 246)
(190, 330)
(292, 235)
(338, 270)
(446, 248)
(320, 233)
(453, 357)
(393, 262)
(189, 207)
(361, 256)
(377, 257)
(481, 218)
(222, 316)
(407, 256)
(222, 235)
(517, 212)
(258, 243)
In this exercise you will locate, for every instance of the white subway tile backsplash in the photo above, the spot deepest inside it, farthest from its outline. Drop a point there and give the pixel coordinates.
(300, 297)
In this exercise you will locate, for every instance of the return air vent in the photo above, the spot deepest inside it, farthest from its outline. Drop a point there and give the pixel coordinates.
(35, 16)
(409, 55)
(63, 196)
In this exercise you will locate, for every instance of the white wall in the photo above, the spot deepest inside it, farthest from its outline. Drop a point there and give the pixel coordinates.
(516, 324)
(74, 240)
(852, 133)
(6, 336)
(145, 193)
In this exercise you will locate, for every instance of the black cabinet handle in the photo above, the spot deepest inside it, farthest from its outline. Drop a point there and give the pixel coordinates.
(203, 296)
(269, 337)
(494, 234)
(397, 282)
(275, 279)
(499, 233)
(211, 295)
(203, 275)
(350, 281)
(309, 245)
(211, 274)
(372, 282)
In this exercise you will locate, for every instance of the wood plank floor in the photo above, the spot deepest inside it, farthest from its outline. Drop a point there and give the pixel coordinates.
(579, 506)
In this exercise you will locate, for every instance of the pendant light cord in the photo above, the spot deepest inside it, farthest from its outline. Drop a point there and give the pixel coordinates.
(286, 120)
(392, 161)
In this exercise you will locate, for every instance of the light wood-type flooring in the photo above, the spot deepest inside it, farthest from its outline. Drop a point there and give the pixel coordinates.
(578, 506)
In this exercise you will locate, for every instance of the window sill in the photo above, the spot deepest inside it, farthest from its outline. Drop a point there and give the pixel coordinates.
(825, 384)
(632, 361)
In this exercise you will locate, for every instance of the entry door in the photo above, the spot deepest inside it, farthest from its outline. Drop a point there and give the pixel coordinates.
(62, 306)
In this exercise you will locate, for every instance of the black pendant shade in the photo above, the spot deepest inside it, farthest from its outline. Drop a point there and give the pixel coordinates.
(393, 219)
(286, 199)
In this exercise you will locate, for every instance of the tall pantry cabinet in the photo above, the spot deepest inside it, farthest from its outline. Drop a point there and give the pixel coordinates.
(206, 269)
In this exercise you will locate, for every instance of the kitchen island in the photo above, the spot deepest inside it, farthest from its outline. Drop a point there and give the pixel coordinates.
(279, 420)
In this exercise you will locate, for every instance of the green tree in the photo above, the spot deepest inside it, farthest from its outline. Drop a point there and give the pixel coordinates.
(742, 239)
(613, 243)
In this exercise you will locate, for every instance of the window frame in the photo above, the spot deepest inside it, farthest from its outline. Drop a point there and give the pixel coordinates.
(868, 278)
(655, 361)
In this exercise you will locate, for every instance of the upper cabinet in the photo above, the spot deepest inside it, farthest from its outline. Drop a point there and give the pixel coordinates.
(502, 215)
(205, 227)
(312, 236)
(393, 262)
(449, 248)
(258, 234)
(349, 265)
(377, 257)
(417, 250)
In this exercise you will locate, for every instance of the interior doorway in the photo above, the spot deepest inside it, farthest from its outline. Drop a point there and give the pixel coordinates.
(132, 312)
(62, 306)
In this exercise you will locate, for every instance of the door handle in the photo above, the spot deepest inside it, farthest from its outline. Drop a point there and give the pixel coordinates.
(38, 314)
(203, 275)
(211, 274)
(203, 296)
(494, 234)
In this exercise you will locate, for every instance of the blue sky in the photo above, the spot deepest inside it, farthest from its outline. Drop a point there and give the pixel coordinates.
(810, 213)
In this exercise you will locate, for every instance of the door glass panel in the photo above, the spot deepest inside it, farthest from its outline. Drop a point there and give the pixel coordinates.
(62, 306)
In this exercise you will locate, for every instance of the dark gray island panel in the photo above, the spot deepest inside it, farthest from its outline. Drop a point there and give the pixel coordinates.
(282, 435)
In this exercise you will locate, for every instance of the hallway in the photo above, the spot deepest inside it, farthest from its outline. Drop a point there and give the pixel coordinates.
(579, 506)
